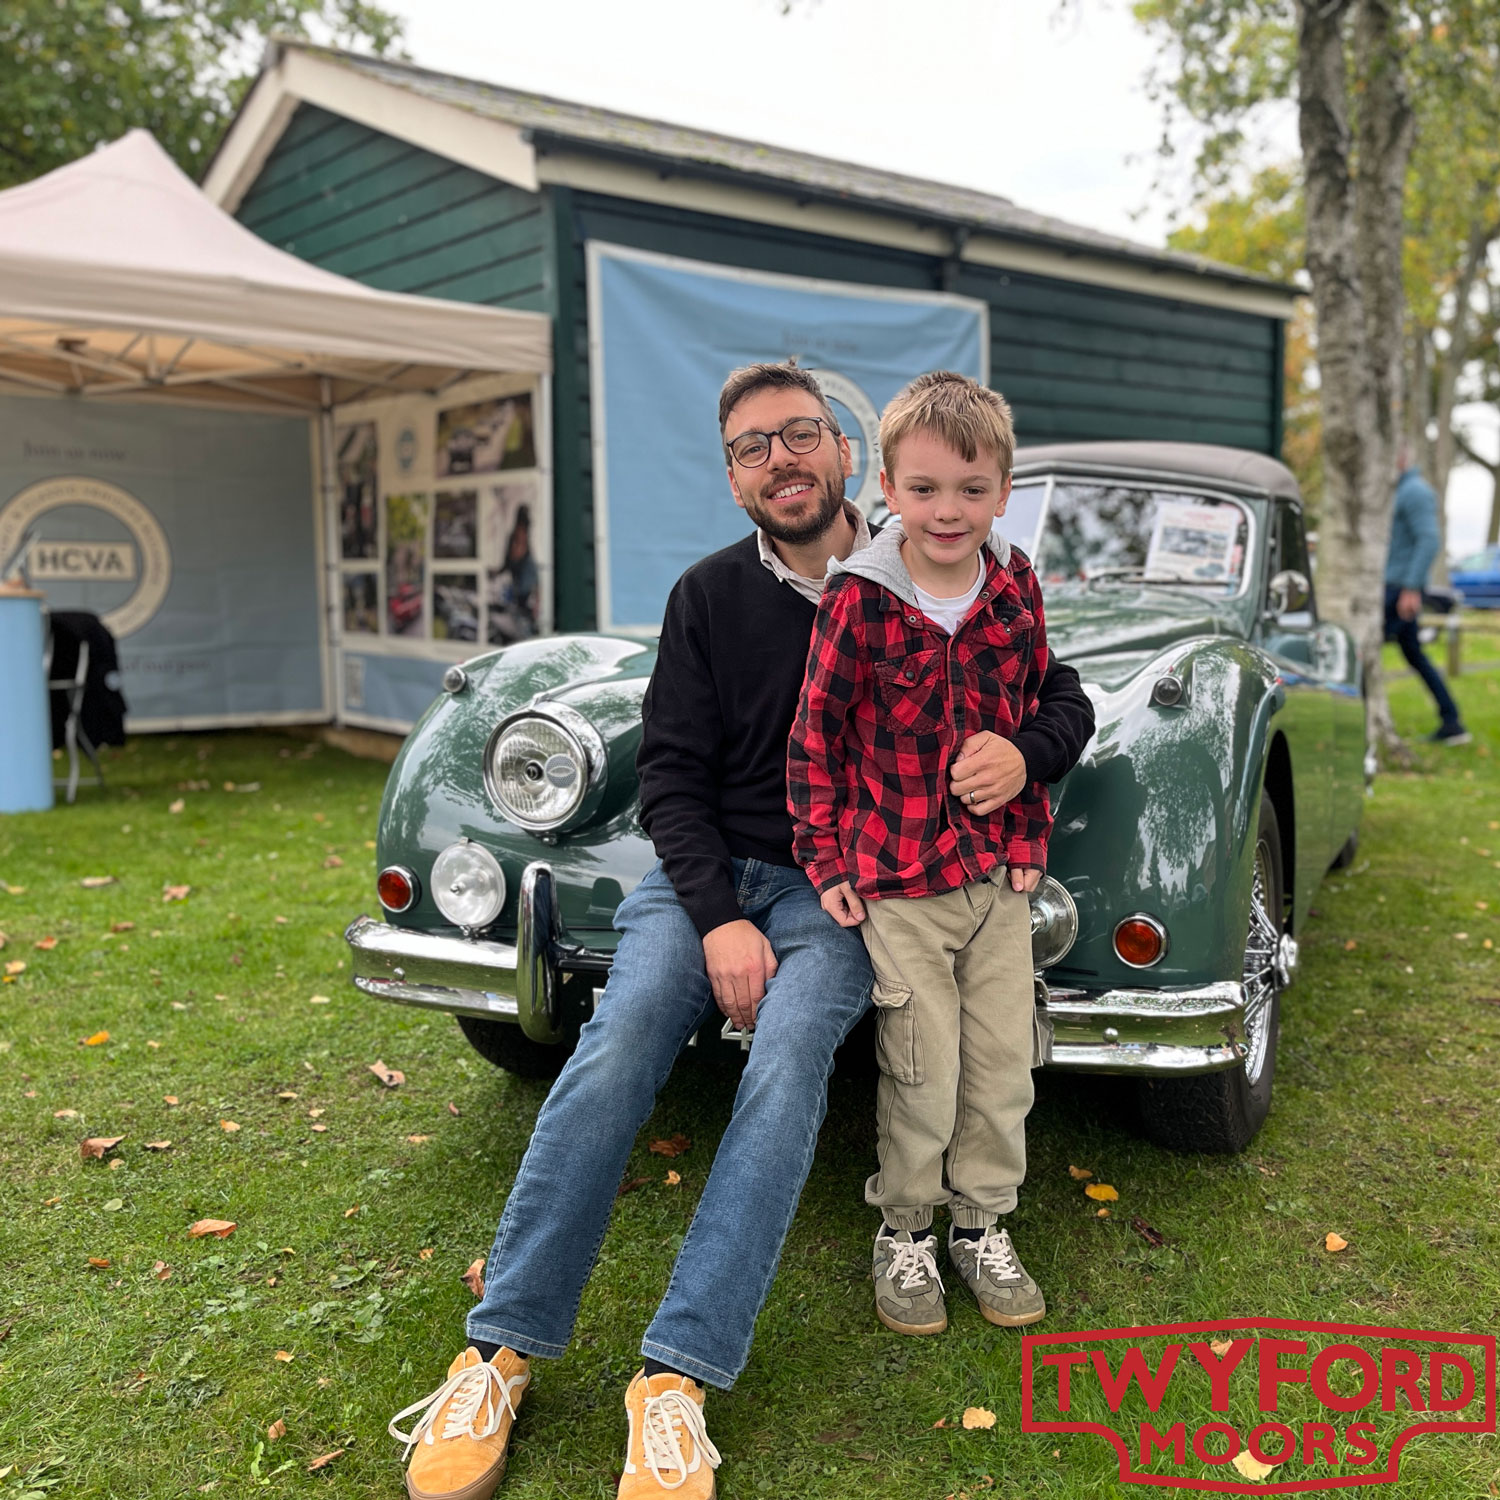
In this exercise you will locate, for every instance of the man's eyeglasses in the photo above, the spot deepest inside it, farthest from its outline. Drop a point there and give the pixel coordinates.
(801, 435)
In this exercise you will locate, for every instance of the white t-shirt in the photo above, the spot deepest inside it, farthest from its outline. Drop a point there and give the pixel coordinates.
(948, 612)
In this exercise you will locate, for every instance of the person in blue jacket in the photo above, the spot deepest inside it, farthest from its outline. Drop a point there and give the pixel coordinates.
(1415, 540)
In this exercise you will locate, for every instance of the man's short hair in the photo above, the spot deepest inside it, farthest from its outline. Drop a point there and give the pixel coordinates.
(964, 414)
(768, 377)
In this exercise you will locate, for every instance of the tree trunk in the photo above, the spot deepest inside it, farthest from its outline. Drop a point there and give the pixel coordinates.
(1354, 229)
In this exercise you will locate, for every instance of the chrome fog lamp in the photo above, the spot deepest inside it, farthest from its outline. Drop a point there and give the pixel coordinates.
(1054, 923)
(468, 885)
(541, 767)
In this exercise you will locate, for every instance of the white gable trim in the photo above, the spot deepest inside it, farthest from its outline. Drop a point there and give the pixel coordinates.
(294, 77)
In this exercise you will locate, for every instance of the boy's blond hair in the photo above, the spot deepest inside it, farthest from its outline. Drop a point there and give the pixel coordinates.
(964, 414)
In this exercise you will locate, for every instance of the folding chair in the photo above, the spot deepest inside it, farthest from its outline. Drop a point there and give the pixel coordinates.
(71, 690)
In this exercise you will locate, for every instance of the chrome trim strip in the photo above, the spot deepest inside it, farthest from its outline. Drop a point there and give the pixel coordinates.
(1166, 1033)
(460, 975)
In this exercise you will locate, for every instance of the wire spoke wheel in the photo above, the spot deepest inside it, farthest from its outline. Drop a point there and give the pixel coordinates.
(1221, 1112)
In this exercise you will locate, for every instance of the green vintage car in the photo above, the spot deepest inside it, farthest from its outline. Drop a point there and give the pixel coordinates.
(1226, 776)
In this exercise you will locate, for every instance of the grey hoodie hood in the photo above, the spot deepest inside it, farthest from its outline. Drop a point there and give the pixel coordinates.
(881, 562)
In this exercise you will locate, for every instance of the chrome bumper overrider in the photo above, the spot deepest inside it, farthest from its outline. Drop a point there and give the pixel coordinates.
(1155, 1032)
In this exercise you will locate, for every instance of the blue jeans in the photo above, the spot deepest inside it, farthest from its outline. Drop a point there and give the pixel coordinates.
(657, 997)
(1404, 633)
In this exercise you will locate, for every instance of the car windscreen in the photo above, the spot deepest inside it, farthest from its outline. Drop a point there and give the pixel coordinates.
(1142, 533)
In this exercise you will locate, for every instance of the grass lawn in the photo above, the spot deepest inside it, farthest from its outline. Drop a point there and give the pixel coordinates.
(136, 1362)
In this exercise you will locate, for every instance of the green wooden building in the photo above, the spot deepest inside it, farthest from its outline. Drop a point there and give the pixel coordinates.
(418, 182)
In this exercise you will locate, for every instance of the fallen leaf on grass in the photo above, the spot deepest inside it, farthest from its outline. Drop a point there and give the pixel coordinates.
(286, 1094)
(175, 892)
(1221, 1347)
(161, 1270)
(113, 1205)
(978, 1416)
(15, 966)
(424, 1254)
(349, 1213)
(1101, 1213)
(169, 1099)
(318, 1000)
(64, 1114)
(333, 862)
(97, 882)
(417, 1140)
(1101, 1192)
(98, 1039)
(276, 1430)
(473, 1278)
(122, 926)
(282, 1357)
(1079, 1174)
(95, 1146)
(46, 944)
(1334, 1242)
(15, 890)
(315, 1112)
(320, 1128)
(391, 1077)
(673, 1178)
(1152, 1237)
(1251, 1468)
(228, 1127)
(452, 1108)
(1349, 947)
(99, 1262)
(281, 921)
(942, 1422)
(674, 1145)
(630, 1185)
(323, 1460)
(177, 806)
(3, 940)
(222, 1228)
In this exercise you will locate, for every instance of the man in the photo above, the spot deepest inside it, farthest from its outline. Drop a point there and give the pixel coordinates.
(1415, 539)
(725, 921)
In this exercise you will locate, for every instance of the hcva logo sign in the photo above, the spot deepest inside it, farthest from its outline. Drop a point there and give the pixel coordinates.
(91, 560)
(1330, 1408)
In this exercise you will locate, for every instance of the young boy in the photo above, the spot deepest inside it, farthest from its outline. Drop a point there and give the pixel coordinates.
(933, 633)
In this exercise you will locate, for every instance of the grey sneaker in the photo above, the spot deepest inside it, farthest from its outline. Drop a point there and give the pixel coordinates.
(992, 1270)
(908, 1289)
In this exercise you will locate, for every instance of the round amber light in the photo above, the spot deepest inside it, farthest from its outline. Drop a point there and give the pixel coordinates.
(1139, 942)
(394, 889)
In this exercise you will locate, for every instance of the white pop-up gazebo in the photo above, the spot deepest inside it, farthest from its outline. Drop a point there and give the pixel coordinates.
(119, 277)
(125, 290)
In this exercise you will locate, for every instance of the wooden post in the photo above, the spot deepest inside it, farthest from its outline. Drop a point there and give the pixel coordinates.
(1455, 638)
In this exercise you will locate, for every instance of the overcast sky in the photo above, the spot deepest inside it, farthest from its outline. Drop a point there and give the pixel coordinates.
(1038, 103)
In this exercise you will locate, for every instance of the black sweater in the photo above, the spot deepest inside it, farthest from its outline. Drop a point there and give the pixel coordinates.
(718, 714)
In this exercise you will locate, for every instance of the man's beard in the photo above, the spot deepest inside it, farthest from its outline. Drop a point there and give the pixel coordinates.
(811, 526)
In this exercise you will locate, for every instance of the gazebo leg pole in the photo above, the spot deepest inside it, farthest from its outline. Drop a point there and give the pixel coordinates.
(332, 545)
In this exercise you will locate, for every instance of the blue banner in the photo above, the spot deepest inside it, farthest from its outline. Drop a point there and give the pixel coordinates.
(664, 334)
(190, 531)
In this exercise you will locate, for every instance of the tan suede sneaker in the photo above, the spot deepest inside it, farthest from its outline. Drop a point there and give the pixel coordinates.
(669, 1447)
(460, 1442)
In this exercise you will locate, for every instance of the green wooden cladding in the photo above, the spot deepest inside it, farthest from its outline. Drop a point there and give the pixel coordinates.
(1075, 361)
(366, 205)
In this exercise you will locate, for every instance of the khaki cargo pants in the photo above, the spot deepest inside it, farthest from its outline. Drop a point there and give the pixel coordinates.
(955, 1013)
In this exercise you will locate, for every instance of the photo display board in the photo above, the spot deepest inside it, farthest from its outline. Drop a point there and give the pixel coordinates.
(664, 333)
(444, 522)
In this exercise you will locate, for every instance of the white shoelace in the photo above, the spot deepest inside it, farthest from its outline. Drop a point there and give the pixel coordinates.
(663, 1443)
(913, 1262)
(469, 1390)
(996, 1255)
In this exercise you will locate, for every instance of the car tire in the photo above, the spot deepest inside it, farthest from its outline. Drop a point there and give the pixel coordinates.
(1345, 857)
(1220, 1113)
(504, 1044)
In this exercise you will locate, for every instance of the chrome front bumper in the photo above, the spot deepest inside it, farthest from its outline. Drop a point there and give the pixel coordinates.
(1157, 1033)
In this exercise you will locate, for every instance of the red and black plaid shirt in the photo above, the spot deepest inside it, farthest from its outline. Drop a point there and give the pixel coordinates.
(888, 699)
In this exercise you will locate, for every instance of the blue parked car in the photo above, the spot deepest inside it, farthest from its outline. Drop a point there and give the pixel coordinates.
(1477, 578)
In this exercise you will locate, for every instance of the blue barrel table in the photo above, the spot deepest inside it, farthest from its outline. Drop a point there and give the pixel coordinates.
(25, 719)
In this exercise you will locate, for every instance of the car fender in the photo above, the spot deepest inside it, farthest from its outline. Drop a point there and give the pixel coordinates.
(1160, 814)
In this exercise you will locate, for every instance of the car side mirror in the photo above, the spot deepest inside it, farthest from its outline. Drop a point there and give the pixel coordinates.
(1289, 593)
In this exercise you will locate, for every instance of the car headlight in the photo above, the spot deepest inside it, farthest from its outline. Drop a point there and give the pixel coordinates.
(1054, 923)
(542, 767)
(468, 885)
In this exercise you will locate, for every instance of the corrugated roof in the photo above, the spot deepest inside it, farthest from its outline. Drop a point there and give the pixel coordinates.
(587, 125)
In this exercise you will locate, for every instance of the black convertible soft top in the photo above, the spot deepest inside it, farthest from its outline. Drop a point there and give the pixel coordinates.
(1236, 466)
